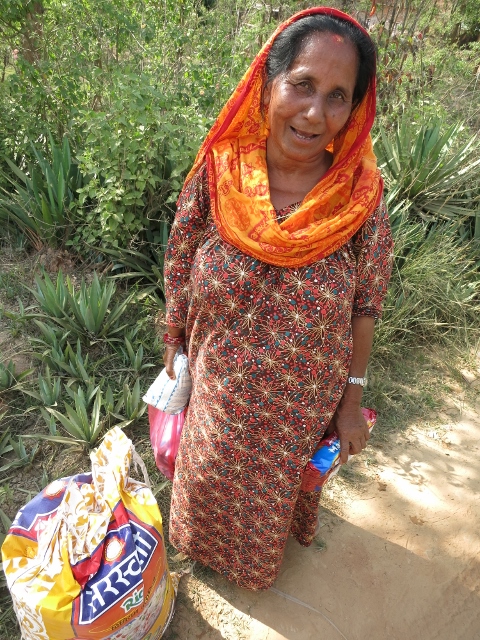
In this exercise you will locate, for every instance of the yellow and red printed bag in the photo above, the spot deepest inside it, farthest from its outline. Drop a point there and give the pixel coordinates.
(85, 559)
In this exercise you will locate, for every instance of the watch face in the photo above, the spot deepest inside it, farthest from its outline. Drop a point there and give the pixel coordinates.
(360, 381)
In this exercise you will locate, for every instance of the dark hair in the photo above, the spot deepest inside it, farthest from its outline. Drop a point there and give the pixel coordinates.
(290, 42)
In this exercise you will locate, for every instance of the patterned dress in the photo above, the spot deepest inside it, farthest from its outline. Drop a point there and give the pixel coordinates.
(270, 350)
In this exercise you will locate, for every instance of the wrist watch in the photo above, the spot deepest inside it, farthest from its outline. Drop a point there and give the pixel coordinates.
(361, 381)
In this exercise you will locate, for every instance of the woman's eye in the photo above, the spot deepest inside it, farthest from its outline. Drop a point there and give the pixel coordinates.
(337, 95)
(303, 86)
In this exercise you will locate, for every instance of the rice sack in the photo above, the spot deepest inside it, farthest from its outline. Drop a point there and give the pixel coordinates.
(86, 557)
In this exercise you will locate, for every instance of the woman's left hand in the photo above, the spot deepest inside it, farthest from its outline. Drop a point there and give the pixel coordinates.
(351, 428)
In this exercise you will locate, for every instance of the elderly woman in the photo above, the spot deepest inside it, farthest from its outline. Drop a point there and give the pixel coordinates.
(276, 267)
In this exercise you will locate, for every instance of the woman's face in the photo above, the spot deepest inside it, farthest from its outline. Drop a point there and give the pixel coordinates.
(310, 103)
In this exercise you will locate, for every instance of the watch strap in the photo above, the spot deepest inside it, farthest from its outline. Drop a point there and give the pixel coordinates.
(353, 380)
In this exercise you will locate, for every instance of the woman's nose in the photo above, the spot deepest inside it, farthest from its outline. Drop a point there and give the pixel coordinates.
(316, 109)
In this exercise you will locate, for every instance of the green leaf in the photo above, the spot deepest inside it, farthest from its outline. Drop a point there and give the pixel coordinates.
(58, 439)
(73, 428)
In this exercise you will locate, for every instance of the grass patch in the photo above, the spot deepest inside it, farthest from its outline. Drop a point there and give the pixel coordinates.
(413, 387)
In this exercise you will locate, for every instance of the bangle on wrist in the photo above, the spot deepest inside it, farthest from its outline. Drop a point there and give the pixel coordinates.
(179, 341)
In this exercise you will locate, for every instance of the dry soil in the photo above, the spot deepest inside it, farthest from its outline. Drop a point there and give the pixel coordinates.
(397, 557)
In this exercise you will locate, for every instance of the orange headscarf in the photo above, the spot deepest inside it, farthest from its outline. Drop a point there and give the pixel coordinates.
(235, 151)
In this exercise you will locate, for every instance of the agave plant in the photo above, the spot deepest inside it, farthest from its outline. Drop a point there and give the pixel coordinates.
(5, 446)
(10, 445)
(44, 197)
(83, 421)
(19, 318)
(50, 394)
(70, 362)
(133, 405)
(9, 377)
(51, 336)
(434, 292)
(49, 388)
(66, 362)
(145, 267)
(5, 526)
(49, 421)
(130, 406)
(53, 298)
(90, 306)
(83, 429)
(429, 169)
(132, 358)
(85, 312)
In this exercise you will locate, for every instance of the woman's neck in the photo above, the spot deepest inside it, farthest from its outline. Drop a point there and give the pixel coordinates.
(290, 182)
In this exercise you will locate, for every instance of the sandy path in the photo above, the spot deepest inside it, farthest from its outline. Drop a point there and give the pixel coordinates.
(401, 562)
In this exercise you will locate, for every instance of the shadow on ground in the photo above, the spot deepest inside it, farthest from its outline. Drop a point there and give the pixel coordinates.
(402, 563)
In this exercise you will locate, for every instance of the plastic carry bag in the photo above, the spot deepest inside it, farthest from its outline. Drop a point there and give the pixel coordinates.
(171, 396)
(86, 557)
(325, 462)
(165, 432)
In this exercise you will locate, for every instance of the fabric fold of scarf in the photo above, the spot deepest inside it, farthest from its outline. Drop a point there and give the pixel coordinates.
(235, 152)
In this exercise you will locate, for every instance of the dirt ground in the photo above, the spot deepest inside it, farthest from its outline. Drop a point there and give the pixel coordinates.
(397, 556)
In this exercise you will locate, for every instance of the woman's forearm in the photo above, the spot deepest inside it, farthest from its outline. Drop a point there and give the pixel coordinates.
(362, 336)
(348, 420)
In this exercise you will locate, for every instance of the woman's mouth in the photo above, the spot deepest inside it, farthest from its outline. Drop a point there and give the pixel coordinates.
(303, 135)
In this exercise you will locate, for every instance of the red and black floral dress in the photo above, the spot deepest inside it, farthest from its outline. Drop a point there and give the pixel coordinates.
(270, 350)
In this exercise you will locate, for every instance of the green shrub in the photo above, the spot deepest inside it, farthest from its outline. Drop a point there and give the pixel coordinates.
(425, 166)
(43, 202)
(82, 428)
(434, 291)
(10, 377)
(49, 388)
(145, 266)
(14, 447)
(85, 312)
(136, 154)
(67, 362)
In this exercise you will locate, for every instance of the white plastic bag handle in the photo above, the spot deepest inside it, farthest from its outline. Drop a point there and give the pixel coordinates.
(138, 462)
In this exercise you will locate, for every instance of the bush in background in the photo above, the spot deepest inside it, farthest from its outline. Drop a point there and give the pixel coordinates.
(434, 291)
(136, 87)
(428, 169)
(42, 200)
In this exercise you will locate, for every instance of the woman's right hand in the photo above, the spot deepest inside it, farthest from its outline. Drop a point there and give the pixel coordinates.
(177, 336)
(168, 358)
